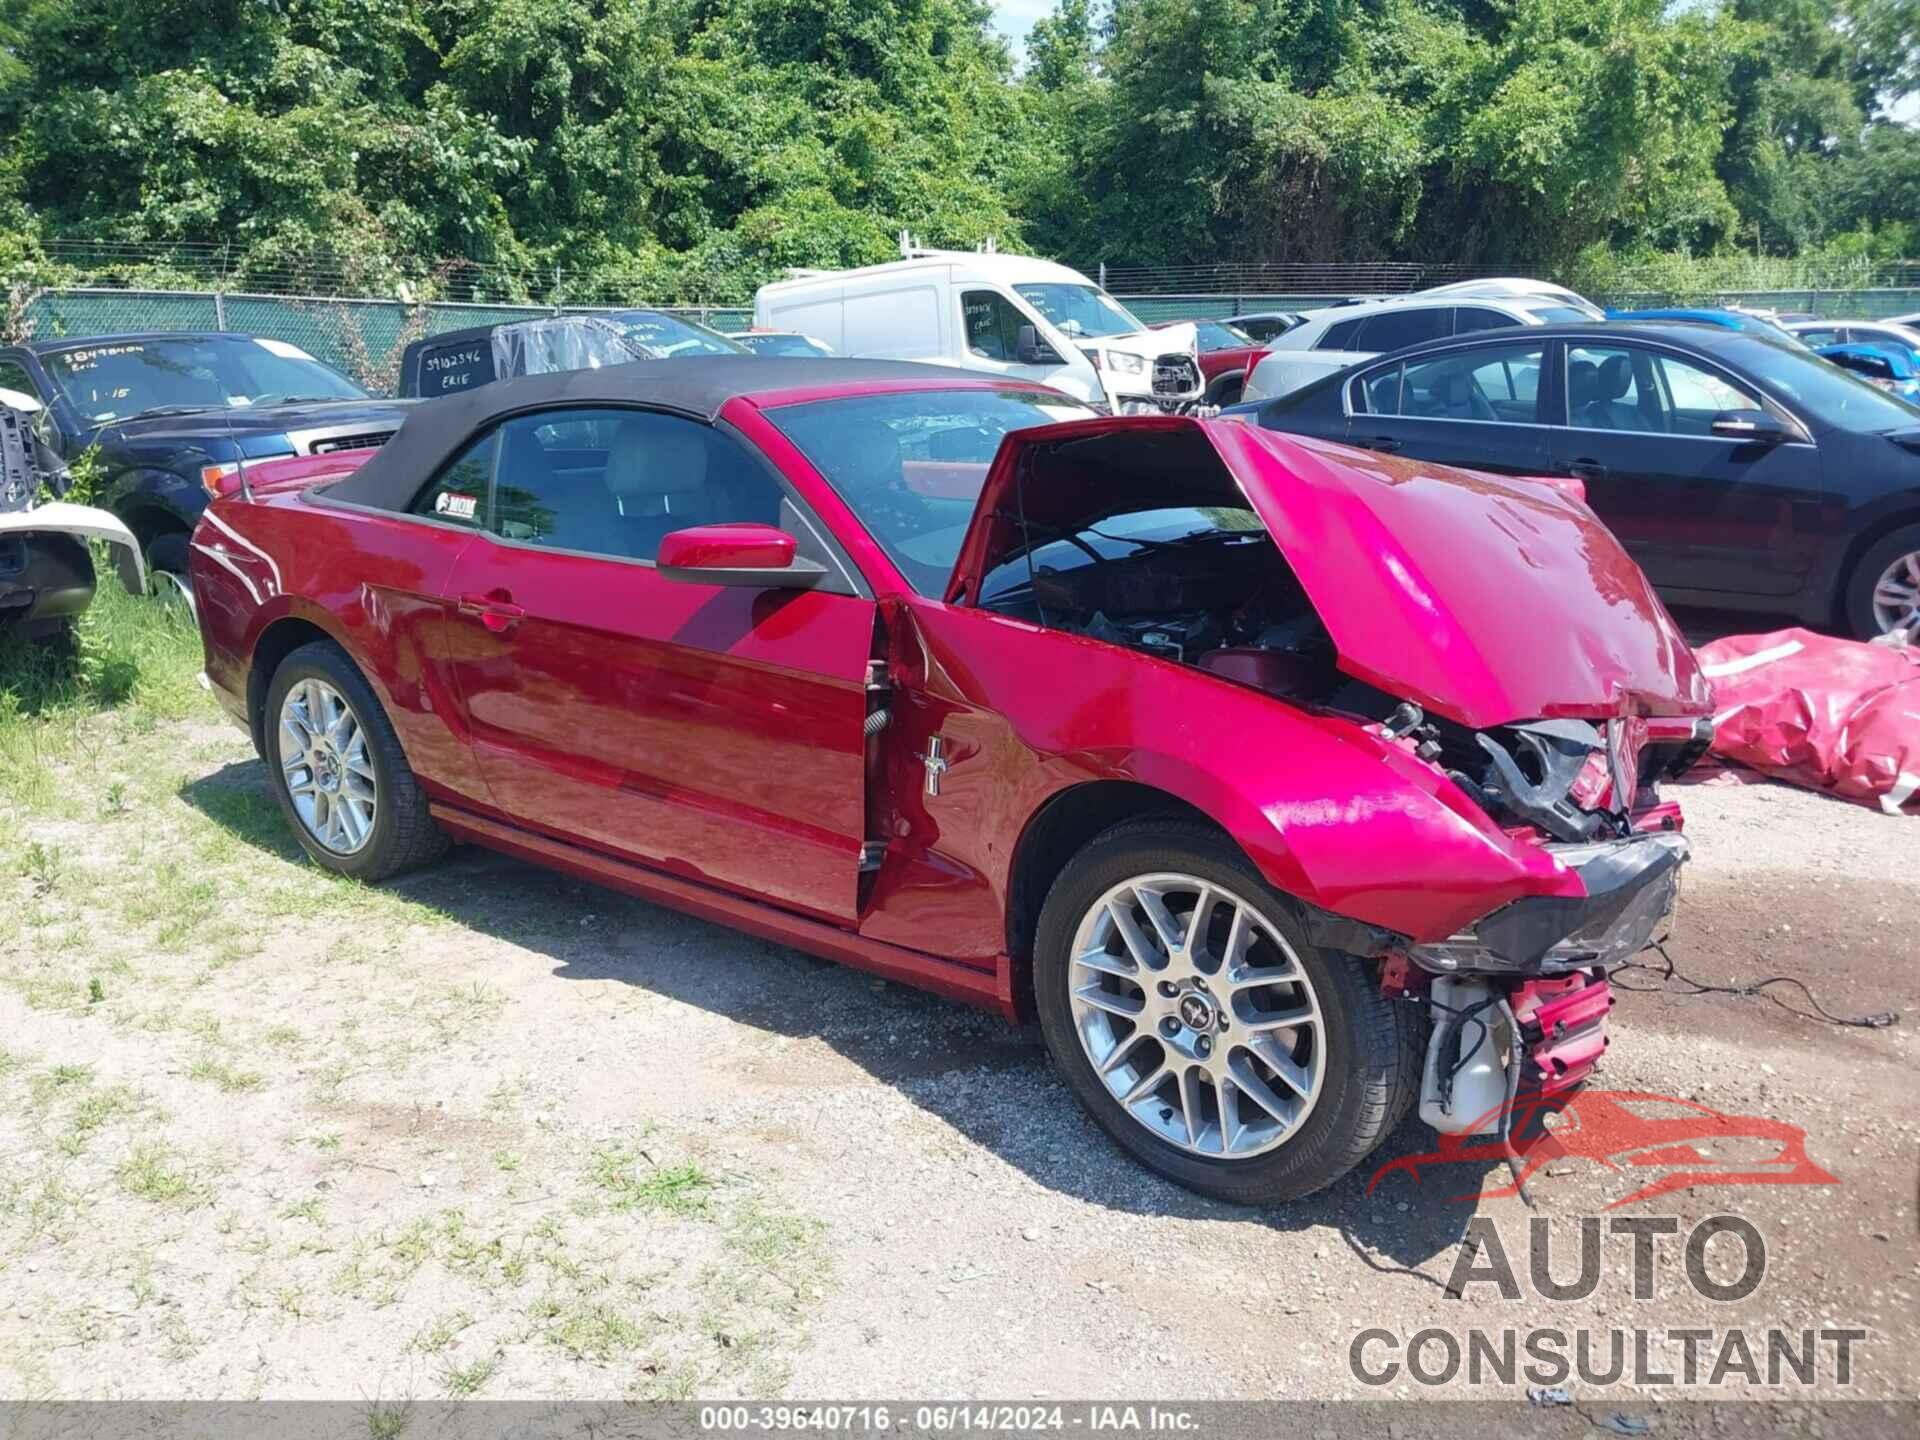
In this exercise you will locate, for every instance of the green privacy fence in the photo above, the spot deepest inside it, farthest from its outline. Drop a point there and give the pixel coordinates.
(364, 337)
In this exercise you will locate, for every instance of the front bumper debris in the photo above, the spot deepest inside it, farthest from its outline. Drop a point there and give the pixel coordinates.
(1631, 887)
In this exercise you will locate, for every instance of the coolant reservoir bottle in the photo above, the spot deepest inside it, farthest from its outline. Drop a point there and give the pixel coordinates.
(1479, 1087)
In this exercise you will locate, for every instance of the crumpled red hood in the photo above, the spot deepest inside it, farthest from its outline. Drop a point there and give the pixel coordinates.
(1485, 599)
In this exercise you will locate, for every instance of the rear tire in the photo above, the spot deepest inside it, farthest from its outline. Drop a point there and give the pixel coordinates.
(1887, 576)
(1357, 1058)
(365, 757)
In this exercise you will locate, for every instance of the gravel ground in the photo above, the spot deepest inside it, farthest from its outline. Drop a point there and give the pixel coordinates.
(496, 1133)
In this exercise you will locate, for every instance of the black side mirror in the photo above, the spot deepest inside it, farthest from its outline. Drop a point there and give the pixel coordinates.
(1755, 426)
(1030, 349)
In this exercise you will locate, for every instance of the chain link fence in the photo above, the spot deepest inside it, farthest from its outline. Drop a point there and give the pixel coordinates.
(364, 338)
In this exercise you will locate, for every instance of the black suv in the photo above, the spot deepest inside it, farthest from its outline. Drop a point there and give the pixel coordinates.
(170, 413)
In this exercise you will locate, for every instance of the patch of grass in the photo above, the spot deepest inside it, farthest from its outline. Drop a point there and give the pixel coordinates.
(586, 1329)
(227, 1078)
(506, 1161)
(388, 1420)
(465, 1381)
(155, 1172)
(632, 1181)
(126, 654)
(312, 1210)
(436, 1335)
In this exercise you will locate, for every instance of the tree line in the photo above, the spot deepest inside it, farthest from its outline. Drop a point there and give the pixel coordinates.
(679, 148)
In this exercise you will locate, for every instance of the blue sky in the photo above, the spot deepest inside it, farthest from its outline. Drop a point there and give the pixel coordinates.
(1013, 18)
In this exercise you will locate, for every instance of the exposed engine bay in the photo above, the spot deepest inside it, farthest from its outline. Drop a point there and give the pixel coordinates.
(1206, 586)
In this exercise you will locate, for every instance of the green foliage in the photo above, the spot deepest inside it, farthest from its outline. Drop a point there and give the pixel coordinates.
(584, 150)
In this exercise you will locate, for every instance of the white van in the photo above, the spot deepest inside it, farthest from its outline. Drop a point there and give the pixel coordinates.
(1000, 314)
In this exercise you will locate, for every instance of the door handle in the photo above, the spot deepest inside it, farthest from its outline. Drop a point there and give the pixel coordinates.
(1587, 469)
(1385, 444)
(497, 611)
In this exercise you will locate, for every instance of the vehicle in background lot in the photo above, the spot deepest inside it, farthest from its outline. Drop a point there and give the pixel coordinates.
(1513, 287)
(166, 414)
(1740, 472)
(1262, 327)
(1343, 335)
(460, 359)
(1885, 366)
(46, 569)
(780, 342)
(1226, 354)
(1727, 319)
(1005, 315)
(1199, 743)
(1884, 333)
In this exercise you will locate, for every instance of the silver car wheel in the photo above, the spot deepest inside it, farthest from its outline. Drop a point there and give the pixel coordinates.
(1896, 594)
(328, 770)
(1197, 1015)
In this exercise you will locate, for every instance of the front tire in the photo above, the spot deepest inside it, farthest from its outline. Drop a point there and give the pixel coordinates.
(167, 571)
(1883, 593)
(1230, 1055)
(338, 771)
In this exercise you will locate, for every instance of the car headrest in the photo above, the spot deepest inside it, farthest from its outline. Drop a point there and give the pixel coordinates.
(1455, 388)
(656, 457)
(523, 459)
(1583, 383)
(869, 453)
(1616, 375)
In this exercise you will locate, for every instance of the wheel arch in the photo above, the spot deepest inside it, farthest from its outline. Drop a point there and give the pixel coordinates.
(277, 641)
(1236, 378)
(1869, 536)
(1053, 835)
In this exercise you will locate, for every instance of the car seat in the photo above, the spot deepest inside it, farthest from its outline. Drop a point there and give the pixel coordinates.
(656, 483)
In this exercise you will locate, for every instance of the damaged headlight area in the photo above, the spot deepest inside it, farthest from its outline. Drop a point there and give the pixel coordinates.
(1631, 887)
(1574, 780)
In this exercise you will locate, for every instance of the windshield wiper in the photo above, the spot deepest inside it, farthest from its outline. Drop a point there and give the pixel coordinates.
(266, 400)
(162, 410)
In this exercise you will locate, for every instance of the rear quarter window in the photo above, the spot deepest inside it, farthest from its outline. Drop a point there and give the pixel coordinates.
(448, 369)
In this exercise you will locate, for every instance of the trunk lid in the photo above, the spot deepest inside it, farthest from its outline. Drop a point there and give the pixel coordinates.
(1488, 600)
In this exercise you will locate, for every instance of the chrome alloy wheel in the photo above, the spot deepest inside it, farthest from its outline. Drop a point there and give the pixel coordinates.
(329, 774)
(1198, 1017)
(1896, 594)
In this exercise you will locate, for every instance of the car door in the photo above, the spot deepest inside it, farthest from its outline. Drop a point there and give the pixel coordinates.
(1475, 406)
(711, 731)
(1696, 511)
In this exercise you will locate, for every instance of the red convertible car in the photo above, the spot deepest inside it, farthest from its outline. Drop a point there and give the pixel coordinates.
(1207, 746)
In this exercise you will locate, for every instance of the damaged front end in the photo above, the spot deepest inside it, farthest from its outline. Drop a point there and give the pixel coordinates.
(46, 570)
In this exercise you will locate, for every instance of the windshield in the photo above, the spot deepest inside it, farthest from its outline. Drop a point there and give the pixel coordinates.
(783, 345)
(1834, 397)
(910, 466)
(1217, 335)
(118, 380)
(1079, 310)
(666, 336)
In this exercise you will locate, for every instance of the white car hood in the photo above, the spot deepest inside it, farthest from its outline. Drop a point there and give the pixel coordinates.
(61, 518)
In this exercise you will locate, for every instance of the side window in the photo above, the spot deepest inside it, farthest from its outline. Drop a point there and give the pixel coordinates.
(446, 369)
(1827, 336)
(992, 325)
(1339, 337)
(1469, 318)
(615, 482)
(1486, 383)
(1612, 388)
(1395, 329)
(459, 495)
(14, 377)
(1377, 392)
(1696, 395)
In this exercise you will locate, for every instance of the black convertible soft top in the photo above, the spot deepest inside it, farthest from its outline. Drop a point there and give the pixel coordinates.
(696, 386)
